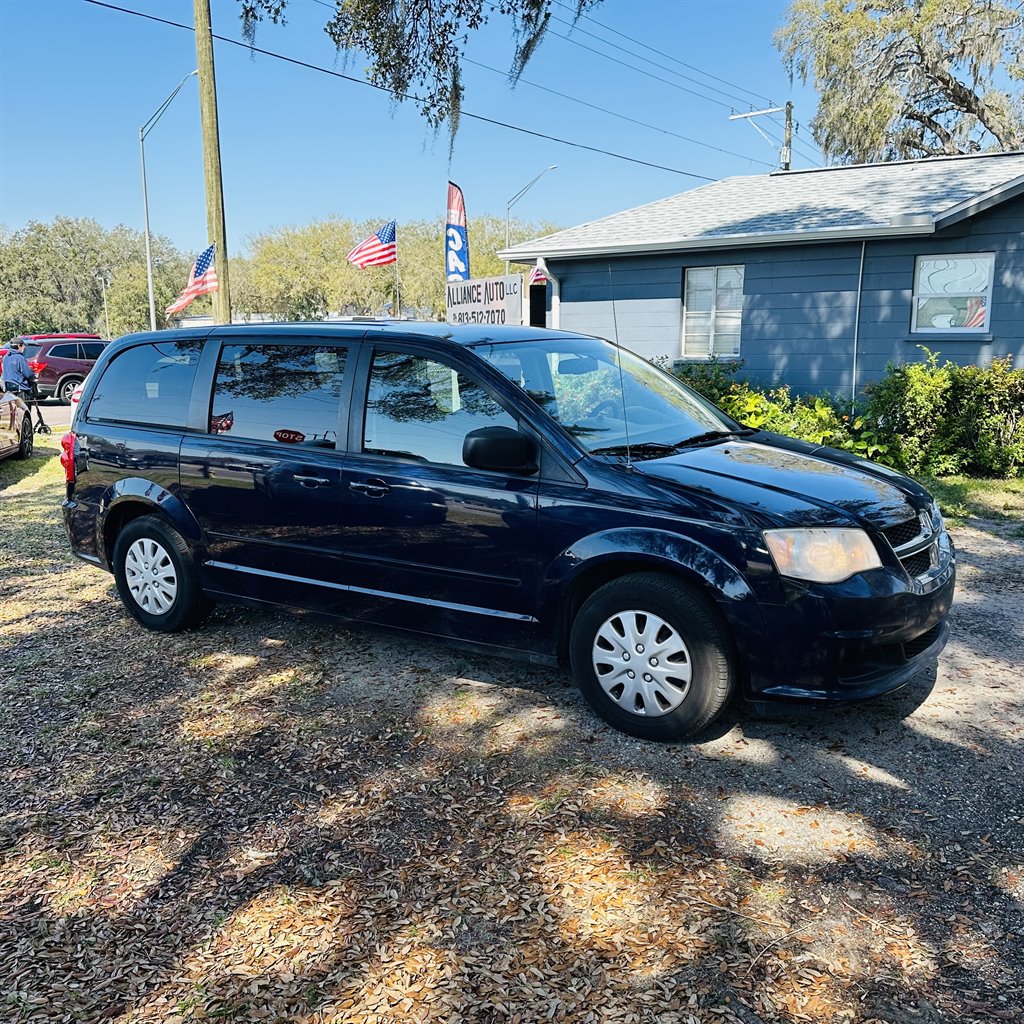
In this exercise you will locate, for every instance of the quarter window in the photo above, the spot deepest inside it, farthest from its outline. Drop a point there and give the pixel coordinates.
(953, 293)
(418, 408)
(289, 394)
(712, 312)
(149, 384)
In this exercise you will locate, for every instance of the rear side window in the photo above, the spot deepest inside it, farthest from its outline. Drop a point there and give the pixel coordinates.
(65, 352)
(149, 384)
(288, 394)
(92, 349)
(31, 351)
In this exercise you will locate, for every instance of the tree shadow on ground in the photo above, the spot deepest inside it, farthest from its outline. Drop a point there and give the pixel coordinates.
(277, 819)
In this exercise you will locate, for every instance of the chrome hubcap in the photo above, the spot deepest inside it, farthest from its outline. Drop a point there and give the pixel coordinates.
(152, 580)
(642, 663)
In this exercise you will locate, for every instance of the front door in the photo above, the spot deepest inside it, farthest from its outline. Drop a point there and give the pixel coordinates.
(431, 543)
(265, 482)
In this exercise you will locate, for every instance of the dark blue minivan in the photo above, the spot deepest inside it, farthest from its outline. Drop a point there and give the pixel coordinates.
(521, 492)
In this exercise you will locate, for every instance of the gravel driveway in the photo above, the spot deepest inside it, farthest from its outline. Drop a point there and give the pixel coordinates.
(274, 819)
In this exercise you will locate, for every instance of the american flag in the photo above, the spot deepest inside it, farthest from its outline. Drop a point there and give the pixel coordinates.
(537, 276)
(975, 316)
(201, 280)
(377, 250)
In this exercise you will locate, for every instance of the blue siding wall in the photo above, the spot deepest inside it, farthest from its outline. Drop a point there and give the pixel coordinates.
(800, 303)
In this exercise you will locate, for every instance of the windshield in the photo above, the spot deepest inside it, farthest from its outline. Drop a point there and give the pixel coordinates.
(577, 381)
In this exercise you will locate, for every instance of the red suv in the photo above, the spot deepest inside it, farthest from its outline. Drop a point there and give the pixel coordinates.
(60, 361)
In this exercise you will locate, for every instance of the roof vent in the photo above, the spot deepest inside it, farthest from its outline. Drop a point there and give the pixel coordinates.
(908, 219)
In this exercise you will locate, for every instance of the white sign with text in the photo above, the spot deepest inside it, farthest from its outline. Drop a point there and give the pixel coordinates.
(486, 300)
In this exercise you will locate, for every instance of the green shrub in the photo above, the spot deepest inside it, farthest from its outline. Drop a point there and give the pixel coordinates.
(928, 418)
(985, 420)
(711, 379)
(909, 406)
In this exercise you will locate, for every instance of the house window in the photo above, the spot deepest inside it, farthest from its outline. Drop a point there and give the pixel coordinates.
(953, 293)
(712, 312)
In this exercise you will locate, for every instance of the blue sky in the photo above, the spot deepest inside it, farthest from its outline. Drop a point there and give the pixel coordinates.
(76, 81)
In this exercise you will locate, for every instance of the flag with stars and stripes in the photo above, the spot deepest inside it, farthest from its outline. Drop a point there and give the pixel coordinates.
(201, 281)
(377, 250)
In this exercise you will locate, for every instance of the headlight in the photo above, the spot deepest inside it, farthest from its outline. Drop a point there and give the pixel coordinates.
(821, 555)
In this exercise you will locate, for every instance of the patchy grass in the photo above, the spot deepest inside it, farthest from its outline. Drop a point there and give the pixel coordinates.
(962, 498)
(276, 819)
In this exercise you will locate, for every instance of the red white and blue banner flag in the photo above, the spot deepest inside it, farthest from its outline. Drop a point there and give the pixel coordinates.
(456, 237)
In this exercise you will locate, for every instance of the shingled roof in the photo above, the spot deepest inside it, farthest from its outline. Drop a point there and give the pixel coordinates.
(912, 197)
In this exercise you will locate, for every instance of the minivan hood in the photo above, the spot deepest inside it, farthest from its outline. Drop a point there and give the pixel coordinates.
(793, 481)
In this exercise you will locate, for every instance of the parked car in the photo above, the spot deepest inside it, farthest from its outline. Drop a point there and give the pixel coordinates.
(61, 361)
(516, 491)
(16, 435)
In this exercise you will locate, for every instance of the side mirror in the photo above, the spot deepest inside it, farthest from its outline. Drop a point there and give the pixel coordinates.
(500, 448)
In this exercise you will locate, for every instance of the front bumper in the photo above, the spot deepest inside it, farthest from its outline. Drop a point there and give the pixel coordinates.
(850, 641)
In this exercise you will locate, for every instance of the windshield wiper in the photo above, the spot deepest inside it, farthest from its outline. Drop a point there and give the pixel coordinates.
(712, 435)
(650, 448)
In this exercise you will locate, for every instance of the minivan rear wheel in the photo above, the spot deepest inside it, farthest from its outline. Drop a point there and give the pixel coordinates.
(156, 576)
(652, 656)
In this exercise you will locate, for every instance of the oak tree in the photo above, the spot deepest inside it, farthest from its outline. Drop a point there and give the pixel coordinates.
(909, 78)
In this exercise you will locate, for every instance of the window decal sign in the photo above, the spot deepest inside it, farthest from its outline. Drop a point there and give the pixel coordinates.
(289, 436)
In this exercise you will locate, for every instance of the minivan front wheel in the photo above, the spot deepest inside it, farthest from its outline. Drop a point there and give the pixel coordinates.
(156, 576)
(652, 657)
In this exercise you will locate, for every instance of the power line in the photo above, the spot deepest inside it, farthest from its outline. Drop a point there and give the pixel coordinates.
(404, 96)
(805, 151)
(612, 113)
(633, 67)
(595, 106)
(576, 28)
(593, 21)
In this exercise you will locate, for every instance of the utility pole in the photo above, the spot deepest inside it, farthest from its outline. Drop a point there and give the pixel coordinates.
(787, 145)
(211, 159)
(786, 153)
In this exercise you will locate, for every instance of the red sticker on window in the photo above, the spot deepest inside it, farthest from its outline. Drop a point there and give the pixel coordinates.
(289, 436)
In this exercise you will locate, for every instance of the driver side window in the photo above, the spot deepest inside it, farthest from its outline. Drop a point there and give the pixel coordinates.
(422, 409)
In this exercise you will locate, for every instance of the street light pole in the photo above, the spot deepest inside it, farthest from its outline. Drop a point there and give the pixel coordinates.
(143, 132)
(515, 199)
(101, 277)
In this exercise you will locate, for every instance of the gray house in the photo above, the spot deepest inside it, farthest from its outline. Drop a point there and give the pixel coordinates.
(814, 278)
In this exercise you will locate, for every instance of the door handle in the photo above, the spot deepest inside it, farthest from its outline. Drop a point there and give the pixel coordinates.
(311, 481)
(371, 488)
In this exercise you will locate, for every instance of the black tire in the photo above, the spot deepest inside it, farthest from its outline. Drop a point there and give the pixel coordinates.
(65, 389)
(172, 560)
(706, 656)
(27, 439)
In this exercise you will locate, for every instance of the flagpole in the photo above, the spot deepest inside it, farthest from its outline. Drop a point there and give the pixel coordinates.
(398, 284)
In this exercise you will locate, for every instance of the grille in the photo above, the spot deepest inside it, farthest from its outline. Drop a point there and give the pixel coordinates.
(902, 533)
(912, 648)
(917, 564)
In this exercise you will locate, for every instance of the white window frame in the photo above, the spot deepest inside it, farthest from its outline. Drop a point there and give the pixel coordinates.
(918, 294)
(710, 354)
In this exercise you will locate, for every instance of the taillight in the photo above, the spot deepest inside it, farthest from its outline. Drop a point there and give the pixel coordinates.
(37, 365)
(68, 444)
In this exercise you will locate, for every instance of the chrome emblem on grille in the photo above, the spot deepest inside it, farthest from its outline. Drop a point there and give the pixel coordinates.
(926, 524)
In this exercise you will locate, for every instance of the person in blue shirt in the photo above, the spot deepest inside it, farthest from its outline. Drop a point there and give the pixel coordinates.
(17, 374)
